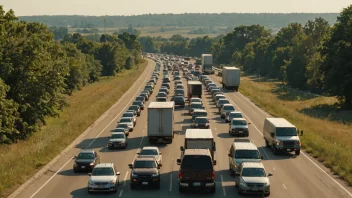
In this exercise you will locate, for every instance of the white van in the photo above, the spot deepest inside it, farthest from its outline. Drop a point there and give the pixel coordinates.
(281, 135)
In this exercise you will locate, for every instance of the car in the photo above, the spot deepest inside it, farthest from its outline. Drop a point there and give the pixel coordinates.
(210, 85)
(196, 170)
(147, 92)
(128, 120)
(118, 140)
(140, 98)
(242, 150)
(104, 177)
(166, 85)
(253, 179)
(86, 160)
(177, 78)
(161, 94)
(239, 126)
(132, 111)
(179, 86)
(145, 172)
(130, 115)
(161, 99)
(124, 125)
(221, 102)
(179, 100)
(179, 92)
(201, 123)
(194, 99)
(193, 106)
(150, 88)
(233, 114)
(151, 151)
(166, 80)
(218, 97)
(135, 108)
(124, 130)
(214, 90)
(145, 95)
(139, 103)
(178, 82)
(165, 90)
(199, 113)
(226, 109)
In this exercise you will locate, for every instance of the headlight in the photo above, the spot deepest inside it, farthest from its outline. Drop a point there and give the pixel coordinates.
(133, 174)
(266, 184)
(91, 164)
(277, 142)
(113, 181)
(90, 182)
(243, 184)
(122, 142)
(207, 124)
(155, 174)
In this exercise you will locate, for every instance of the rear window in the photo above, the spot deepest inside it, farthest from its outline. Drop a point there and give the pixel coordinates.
(196, 162)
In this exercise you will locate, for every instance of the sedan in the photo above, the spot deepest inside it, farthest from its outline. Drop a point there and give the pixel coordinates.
(125, 125)
(135, 108)
(104, 177)
(130, 115)
(201, 122)
(118, 140)
(139, 103)
(161, 99)
(166, 85)
(140, 98)
(161, 94)
(86, 160)
(151, 151)
(193, 106)
(179, 100)
(124, 130)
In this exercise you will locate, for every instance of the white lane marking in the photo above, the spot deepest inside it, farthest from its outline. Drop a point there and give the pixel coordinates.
(274, 169)
(170, 188)
(120, 193)
(284, 186)
(124, 184)
(315, 164)
(36, 192)
(223, 188)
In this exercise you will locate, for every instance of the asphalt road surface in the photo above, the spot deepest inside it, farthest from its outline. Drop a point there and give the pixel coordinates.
(296, 177)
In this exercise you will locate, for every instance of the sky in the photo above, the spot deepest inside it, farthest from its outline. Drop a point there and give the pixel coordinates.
(137, 7)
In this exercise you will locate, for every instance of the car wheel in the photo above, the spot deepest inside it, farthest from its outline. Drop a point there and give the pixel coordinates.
(75, 170)
(115, 190)
(213, 190)
(180, 189)
(274, 150)
(267, 194)
(297, 152)
(89, 192)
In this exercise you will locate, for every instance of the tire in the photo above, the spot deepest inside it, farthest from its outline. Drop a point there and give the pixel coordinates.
(266, 144)
(75, 171)
(213, 190)
(297, 152)
(274, 150)
(157, 186)
(180, 189)
(267, 194)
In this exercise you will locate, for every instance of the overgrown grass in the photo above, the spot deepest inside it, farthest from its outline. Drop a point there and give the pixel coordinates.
(327, 127)
(21, 161)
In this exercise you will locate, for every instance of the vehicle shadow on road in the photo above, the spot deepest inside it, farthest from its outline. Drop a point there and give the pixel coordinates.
(83, 192)
(225, 135)
(98, 143)
(279, 156)
(133, 143)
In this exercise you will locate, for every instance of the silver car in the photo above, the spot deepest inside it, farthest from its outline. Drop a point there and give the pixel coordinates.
(252, 178)
(125, 125)
(127, 120)
(151, 151)
(130, 115)
(104, 177)
(226, 109)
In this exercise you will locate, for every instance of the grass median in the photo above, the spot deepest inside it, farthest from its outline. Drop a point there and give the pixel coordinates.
(327, 126)
(21, 161)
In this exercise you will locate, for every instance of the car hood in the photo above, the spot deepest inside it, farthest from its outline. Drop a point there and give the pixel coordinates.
(239, 126)
(256, 179)
(281, 138)
(117, 140)
(108, 178)
(84, 160)
(145, 170)
(239, 161)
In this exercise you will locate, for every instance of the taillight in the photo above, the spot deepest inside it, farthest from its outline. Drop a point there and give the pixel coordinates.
(180, 175)
(213, 175)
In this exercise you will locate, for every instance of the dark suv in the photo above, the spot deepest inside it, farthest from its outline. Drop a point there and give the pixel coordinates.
(196, 170)
(145, 172)
(85, 161)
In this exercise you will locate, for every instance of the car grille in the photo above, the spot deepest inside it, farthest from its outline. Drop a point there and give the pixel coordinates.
(83, 163)
(288, 144)
(100, 183)
(144, 177)
(255, 185)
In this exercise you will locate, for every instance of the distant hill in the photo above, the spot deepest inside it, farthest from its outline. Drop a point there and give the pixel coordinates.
(269, 20)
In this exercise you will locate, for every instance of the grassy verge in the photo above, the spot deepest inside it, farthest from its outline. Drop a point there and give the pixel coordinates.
(327, 127)
(21, 161)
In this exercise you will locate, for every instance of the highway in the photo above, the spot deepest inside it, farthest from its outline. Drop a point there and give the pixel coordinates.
(296, 177)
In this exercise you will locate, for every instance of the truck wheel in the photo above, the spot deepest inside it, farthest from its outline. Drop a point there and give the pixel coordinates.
(274, 150)
(266, 144)
(297, 152)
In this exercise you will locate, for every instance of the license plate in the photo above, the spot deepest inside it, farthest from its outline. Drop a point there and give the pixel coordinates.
(100, 186)
(82, 166)
(196, 184)
(240, 131)
(255, 189)
(288, 149)
(145, 183)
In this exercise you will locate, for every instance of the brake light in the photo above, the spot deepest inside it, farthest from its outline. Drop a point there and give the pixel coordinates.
(213, 175)
(180, 175)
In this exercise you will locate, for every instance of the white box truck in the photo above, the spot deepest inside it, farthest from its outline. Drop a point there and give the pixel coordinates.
(231, 78)
(199, 139)
(207, 64)
(160, 122)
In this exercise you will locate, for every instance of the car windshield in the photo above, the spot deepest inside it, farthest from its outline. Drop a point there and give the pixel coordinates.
(149, 87)
(228, 108)
(253, 172)
(179, 91)
(117, 136)
(196, 106)
(239, 122)
(202, 120)
(235, 115)
(103, 172)
(122, 125)
(134, 107)
(137, 103)
(85, 156)
(161, 99)
(163, 90)
(197, 114)
(196, 162)
(125, 120)
(247, 154)
(140, 98)
(179, 99)
(149, 152)
(281, 131)
(161, 94)
(144, 164)
(212, 85)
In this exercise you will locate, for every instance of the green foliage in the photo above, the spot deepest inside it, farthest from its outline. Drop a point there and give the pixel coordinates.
(36, 72)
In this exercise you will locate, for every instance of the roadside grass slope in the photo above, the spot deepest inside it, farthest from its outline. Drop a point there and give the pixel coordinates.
(21, 161)
(327, 127)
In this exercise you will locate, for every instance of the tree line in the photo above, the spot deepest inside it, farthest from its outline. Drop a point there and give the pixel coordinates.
(315, 57)
(37, 72)
(268, 20)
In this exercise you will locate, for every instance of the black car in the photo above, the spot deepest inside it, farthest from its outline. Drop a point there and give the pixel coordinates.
(145, 172)
(140, 98)
(145, 95)
(179, 100)
(85, 161)
(201, 123)
(139, 103)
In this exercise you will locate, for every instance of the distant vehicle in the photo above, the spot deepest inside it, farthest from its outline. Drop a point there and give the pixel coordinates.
(151, 151)
(193, 106)
(160, 122)
(125, 125)
(124, 130)
(161, 99)
(104, 177)
(201, 123)
(226, 109)
(130, 115)
(199, 113)
(145, 172)
(135, 108)
(166, 85)
(139, 103)
(86, 160)
(231, 78)
(239, 127)
(118, 140)
(179, 100)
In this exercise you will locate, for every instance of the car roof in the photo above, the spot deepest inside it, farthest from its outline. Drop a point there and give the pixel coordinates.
(228, 105)
(239, 119)
(196, 103)
(245, 146)
(86, 151)
(201, 117)
(150, 148)
(104, 165)
(197, 152)
(235, 112)
(219, 95)
(117, 133)
(200, 110)
(252, 165)
(144, 158)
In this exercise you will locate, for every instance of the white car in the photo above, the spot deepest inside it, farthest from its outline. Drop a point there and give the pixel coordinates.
(104, 177)
(232, 115)
(226, 109)
(130, 115)
(150, 151)
(127, 120)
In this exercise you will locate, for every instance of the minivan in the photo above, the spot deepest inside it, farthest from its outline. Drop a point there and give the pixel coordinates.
(242, 152)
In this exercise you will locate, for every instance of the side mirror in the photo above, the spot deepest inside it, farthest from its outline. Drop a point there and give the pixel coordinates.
(118, 173)
(160, 153)
(182, 148)
(270, 174)
(249, 123)
(90, 174)
(178, 161)
(130, 166)
(237, 174)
